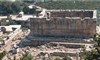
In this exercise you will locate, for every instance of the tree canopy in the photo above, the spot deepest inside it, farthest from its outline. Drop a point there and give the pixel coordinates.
(12, 22)
(7, 7)
(94, 54)
(26, 56)
(27, 10)
(2, 54)
(70, 4)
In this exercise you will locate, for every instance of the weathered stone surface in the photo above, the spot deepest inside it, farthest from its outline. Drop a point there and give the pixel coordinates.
(78, 25)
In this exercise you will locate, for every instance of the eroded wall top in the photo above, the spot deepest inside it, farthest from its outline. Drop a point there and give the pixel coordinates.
(72, 13)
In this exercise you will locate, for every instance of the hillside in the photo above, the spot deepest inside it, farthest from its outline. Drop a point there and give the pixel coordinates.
(70, 5)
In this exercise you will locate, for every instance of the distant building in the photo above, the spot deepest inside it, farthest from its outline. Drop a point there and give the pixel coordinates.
(67, 23)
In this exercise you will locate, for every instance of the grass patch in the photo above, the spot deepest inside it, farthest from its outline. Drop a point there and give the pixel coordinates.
(1, 38)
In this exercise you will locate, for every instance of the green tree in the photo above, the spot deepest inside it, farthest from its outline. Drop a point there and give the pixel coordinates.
(7, 7)
(94, 54)
(2, 54)
(32, 11)
(12, 22)
(70, 4)
(26, 56)
(3, 29)
(57, 58)
(67, 58)
(29, 1)
(14, 58)
(26, 10)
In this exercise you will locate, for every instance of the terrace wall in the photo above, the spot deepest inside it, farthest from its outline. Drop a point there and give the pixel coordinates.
(68, 27)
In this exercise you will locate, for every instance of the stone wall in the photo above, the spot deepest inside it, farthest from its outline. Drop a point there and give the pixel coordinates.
(81, 14)
(68, 27)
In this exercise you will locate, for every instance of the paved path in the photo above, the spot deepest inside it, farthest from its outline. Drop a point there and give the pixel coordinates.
(10, 42)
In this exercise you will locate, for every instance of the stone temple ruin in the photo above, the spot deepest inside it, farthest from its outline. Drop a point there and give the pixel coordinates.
(61, 26)
(62, 31)
(65, 23)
